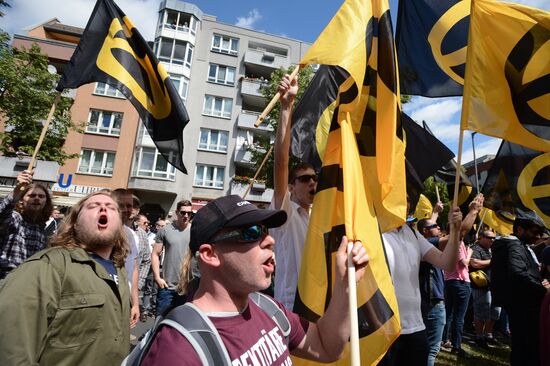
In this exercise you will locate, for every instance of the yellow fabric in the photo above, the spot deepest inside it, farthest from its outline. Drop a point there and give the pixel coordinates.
(343, 43)
(502, 60)
(423, 208)
(491, 219)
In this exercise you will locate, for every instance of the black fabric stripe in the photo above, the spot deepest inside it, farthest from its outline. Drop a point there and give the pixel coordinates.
(331, 176)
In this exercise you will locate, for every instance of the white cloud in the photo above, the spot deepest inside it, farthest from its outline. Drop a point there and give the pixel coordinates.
(487, 147)
(541, 4)
(249, 21)
(23, 13)
(442, 115)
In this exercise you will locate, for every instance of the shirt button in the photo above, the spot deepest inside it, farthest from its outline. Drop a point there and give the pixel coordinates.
(116, 339)
(83, 301)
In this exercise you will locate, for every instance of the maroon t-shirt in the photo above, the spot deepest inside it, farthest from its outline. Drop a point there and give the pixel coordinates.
(251, 338)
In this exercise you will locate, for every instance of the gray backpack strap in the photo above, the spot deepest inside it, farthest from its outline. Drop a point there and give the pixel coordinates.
(194, 325)
(271, 308)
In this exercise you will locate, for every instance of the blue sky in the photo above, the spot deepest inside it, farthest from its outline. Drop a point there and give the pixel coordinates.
(298, 19)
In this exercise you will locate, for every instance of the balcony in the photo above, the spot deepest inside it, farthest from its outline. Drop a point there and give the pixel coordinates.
(181, 33)
(251, 92)
(259, 195)
(243, 156)
(265, 61)
(246, 120)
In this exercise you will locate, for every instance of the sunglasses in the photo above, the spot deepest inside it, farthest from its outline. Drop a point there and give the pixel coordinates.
(433, 226)
(490, 237)
(188, 213)
(306, 177)
(246, 234)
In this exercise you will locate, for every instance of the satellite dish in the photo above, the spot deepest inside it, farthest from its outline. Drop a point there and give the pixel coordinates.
(52, 69)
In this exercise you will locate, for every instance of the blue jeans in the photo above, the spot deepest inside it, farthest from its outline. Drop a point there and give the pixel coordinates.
(435, 322)
(457, 295)
(164, 299)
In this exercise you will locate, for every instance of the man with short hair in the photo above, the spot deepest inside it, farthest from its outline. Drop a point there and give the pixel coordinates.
(141, 229)
(70, 304)
(23, 215)
(516, 285)
(294, 194)
(485, 313)
(174, 240)
(235, 252)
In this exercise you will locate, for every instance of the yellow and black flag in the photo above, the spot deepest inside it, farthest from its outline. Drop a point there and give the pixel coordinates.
(431, 40)
(348, 121)
(519, 178)
(112, 51)
(507, 85)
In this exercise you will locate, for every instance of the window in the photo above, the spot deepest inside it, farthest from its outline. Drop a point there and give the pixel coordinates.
(150, 163)
(225, 44)
(217, 106)
(209, 176)
(213, 140)
(181, 83)
(221, 74)
(107, 90)
(96, 162)
(175, 51)
(179, 21)
(104, 122)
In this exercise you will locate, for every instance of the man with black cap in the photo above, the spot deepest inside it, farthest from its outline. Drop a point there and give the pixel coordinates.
(517, 286)
(230, 240)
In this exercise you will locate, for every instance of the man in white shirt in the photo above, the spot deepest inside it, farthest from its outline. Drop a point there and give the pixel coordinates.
(405, 249)
(294, 196)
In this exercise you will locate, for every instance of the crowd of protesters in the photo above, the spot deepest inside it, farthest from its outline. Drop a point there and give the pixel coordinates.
(72, 289)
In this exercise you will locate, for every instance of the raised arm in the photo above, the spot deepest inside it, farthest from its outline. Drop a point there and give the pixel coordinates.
(438, 208)
(473, 210)
(447, 258)
(325, 340)
(288, 88)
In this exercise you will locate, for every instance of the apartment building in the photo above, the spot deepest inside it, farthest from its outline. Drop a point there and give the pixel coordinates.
(218, 69)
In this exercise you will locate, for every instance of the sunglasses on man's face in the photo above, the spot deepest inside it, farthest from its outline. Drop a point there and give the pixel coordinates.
(429, 227)
(306, 177)
(490, 237)
(246, 234)
(188, 213)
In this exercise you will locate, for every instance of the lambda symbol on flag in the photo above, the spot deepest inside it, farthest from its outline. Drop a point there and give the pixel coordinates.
(439, 31)
(530, 193)
(530, 91)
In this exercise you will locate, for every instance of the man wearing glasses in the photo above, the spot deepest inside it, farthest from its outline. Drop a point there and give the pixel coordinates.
(485, 314)
(293, 193)
(230, 240)
(174, 240)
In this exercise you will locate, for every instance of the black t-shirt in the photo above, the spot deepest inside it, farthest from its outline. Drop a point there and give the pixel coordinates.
(108, 265)
(481, 253)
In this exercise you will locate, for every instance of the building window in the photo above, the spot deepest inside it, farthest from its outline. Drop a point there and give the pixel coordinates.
(217, 106)
(96, 162)
(213, 140)
(150, 163)
(225, 44)
(221, 74)
(175, 52)
(181, 83)
(180, 22)
(107, 90)
(209, 176)
(104, 122)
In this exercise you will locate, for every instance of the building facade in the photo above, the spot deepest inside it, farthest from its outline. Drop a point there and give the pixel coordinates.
(218, 70)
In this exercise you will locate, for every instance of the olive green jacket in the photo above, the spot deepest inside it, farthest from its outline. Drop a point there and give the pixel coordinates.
(61, 307)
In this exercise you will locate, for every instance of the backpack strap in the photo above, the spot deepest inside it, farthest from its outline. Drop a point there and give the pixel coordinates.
(271, 308)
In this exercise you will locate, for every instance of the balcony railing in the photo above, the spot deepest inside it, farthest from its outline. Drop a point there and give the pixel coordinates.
(264, 58)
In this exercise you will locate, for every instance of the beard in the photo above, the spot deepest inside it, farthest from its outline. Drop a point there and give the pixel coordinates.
(91, 239)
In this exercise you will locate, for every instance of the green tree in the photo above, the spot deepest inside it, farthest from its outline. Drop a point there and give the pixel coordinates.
(26, 96)
(259, 150)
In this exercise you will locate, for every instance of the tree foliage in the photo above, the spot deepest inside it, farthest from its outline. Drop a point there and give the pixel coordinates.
(258, 150)
(26, 96)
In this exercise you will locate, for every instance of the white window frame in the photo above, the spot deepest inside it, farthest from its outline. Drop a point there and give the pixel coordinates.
(216, 78)
(111, 130)
(168, 174)
(187, 60)
(211, 145)
(107, 90)
(221, 48)
(203, 181)
(103, 170)
(182, 87)
(209, 108)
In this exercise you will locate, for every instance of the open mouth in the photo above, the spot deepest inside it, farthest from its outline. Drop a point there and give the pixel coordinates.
(269, 264)
(102, 222)
(312, 192)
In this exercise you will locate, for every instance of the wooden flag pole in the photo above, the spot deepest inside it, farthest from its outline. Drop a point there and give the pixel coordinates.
(458, 168)
(258, 171)
(352, 288)
(480, 224)
(274, 100)
(44, 130)
(437, 191)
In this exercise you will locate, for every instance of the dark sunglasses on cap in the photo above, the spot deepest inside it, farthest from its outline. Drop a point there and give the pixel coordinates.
(247, 234)
(306, 177)
(432, 226)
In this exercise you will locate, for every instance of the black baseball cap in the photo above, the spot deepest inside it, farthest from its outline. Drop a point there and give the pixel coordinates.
(229, 211)
(528, 217)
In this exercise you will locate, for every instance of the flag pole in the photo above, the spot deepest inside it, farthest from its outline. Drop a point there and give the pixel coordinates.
(437, 191)
(352, 288)
(274, 100)
(258, 171)
(44, 130)
(475, 162)
(458, 167)
(480, 224)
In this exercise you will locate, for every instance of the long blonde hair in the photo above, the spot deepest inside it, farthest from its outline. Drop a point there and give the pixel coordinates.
(66, 235)
(185, 284)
